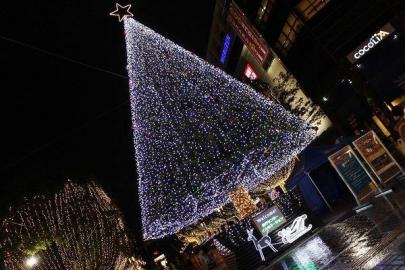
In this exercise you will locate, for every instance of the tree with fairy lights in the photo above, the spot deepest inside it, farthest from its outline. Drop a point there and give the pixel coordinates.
(198, 133)
(77, 228)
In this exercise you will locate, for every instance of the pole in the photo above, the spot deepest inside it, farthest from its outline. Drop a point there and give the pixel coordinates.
(320, 193)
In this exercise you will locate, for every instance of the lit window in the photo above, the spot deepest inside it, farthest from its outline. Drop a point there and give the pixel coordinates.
(308, 8)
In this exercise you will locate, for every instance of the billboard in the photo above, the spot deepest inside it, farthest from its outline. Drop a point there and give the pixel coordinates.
(269, 220)
(353, 174)
(377, 156)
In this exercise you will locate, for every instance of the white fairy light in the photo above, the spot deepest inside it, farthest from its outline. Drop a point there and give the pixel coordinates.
(198, 133)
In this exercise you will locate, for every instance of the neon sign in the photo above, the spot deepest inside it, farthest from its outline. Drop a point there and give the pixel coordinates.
(225, 49)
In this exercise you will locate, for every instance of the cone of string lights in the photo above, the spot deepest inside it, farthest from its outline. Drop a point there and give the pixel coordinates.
(76, 228)
(198, 133)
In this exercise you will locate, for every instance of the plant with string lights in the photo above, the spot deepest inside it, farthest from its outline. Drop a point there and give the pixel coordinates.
(198, 133)
(76, 228)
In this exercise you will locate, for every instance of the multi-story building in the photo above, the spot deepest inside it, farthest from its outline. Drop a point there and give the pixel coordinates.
(334, 48)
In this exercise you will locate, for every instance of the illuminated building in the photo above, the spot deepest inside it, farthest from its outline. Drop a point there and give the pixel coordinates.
(313, 39)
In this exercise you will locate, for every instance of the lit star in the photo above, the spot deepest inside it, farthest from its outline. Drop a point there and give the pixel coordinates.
(122, 12)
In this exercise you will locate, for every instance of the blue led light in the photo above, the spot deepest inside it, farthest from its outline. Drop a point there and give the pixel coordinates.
(225, 49)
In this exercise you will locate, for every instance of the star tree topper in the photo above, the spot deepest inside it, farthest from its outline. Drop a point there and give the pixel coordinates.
(122, 12)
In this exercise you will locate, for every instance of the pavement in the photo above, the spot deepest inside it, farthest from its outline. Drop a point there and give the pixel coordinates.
(371, 239)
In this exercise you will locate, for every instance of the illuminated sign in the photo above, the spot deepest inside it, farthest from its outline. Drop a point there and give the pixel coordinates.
(225, 49)
(249, 72)
(288, 234)
(269, 220)
(248, 33)
(375, 39)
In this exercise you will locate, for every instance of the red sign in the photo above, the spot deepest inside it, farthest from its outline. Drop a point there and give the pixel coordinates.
(249, 72)
(247, 33)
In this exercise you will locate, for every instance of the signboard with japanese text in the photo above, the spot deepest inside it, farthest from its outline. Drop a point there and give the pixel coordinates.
(377, 156)
(247, 33)
(269, 220)
(353, 173)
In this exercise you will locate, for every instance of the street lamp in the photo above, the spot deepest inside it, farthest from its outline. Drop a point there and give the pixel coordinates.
(31, 261)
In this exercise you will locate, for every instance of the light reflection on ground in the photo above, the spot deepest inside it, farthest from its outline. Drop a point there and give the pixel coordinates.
(363, 241)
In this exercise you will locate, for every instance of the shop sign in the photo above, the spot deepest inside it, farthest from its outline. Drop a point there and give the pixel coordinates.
(248, 33)
(377, 156)
(368, 45)
(353, 174)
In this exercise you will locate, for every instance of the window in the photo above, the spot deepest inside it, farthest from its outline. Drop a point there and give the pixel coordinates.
(289, 32)
(265, 10)
(308, 8)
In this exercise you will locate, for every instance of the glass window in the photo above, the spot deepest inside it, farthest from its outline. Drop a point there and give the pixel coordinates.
(308, 8)
(289, 32)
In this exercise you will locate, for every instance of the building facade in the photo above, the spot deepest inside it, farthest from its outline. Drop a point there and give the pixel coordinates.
(317, 42)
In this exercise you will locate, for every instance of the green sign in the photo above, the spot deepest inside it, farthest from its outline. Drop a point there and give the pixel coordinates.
(269, 220)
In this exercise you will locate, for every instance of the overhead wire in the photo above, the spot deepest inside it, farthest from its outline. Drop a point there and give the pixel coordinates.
(74, 129)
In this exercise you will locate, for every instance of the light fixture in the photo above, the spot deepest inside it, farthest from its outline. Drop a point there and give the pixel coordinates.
(395, 36)
(31, 261)
(358, 65)
(325, 99)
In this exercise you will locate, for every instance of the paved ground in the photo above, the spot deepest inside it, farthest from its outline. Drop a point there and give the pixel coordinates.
(372, 239)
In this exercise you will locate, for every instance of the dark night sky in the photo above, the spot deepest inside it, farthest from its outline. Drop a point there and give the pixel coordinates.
(62, 120)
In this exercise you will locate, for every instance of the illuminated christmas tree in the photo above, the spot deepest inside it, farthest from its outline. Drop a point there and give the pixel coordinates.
(76, 228)
(198, 133)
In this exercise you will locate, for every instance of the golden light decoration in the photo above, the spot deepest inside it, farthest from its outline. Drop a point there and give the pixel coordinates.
(242, 202)
(78, 227)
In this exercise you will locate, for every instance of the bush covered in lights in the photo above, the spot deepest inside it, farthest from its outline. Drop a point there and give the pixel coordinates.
(76, 228)
(198, 132)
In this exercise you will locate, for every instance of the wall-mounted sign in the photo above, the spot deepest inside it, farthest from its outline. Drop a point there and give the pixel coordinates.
(269, 220)
(353, 173)
(368, 45)
(225, 48)
(248, 33)
(249, 72)
(377, 156)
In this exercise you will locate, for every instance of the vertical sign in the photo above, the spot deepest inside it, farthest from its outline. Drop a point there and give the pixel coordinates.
(353, 173)
(248, 33)
(377, 156)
